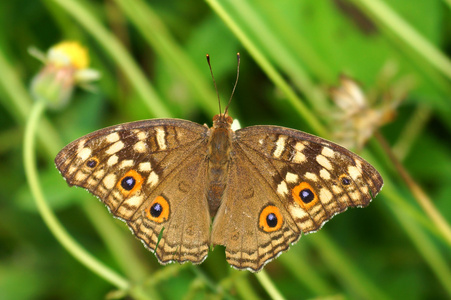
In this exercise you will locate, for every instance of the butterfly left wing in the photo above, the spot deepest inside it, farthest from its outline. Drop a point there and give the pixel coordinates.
(285, 182)
(148, 173)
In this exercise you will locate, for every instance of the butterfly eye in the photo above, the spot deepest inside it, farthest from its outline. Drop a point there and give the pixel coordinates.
(270, 219)
(304, 195)
(158, 210)
(92, 162)
(130, 182)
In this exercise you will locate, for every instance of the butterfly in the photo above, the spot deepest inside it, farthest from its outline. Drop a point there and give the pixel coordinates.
(182, 187)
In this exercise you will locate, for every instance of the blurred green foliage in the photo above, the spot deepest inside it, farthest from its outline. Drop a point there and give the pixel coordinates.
(152, 59)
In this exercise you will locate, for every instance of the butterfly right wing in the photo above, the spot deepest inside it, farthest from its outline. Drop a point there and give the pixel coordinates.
(148, 173)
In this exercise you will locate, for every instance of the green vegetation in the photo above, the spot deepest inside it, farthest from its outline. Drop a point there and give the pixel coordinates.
(151, 57)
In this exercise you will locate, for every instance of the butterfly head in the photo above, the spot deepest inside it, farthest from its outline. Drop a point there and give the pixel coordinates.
(222, 121)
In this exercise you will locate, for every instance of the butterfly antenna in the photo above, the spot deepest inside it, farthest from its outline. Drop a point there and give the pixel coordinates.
(214, 82)
(236, 81)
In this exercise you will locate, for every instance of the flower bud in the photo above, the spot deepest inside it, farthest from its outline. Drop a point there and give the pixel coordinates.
(65, 66)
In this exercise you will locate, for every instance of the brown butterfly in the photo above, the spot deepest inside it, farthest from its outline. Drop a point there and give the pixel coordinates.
(263, 186)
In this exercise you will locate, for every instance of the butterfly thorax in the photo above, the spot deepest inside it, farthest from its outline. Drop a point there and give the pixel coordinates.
(218, 160)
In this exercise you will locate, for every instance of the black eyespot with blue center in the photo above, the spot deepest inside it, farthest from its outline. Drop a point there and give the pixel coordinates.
(306, 195)
(91, 163)
(128, 183)
(345, 180)
(271, 220)
(156, 210)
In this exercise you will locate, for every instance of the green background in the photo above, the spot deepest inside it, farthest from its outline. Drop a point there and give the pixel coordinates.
(152, 59)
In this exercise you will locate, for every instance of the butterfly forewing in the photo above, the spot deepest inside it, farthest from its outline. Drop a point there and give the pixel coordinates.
(314, 178)
(143, 172)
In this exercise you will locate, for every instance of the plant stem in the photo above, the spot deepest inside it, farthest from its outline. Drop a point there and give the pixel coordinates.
(49, 218)
(391, 20)
(268, 285)
(417, 192)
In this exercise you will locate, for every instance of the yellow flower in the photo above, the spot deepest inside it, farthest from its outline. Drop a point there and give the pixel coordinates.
(69, 54)
(65, 65)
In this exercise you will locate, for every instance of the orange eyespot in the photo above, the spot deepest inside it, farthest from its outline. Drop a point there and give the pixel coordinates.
(158, 210)
(270, 219)
(130, 182)
(304, 195)
(92, 162)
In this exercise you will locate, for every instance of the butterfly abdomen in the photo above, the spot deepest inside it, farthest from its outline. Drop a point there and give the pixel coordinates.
(218, 155)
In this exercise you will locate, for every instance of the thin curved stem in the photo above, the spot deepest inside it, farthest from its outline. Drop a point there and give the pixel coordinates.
(268, 285)
(421, 197)
(383, 14)
(50, 219)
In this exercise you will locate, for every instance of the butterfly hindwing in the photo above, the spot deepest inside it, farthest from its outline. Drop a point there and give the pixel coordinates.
(240, 224)
(297, 182)
(143, 172)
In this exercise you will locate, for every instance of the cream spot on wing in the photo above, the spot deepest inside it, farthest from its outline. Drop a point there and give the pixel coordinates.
(291, 177)
(141, 135)
(140, 147)
(315, 210)
(299, 146)
(355, 196)
(297, 212)
(99, 174)
(81, 145)
(72, 169)
(112, 137)
(336, 189)
(328, 152)
(282, 188)
(84, 154)
(354, 172)
(124, 212)
(116, 195)
(145, 167)
(324, 174)
(134, 201)
(298, 158)
(109, 181)
(161, 138)
(126, 163)
(260, 141)
(112, 160)
(311, 176)
(92, 181)
(358, 162)
(80, 176)
(115, 148)
(153, 179)
(280, 146)
(324, 162)
(364, 189)
(325, 195)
